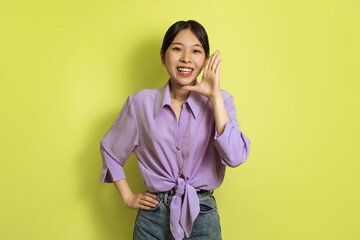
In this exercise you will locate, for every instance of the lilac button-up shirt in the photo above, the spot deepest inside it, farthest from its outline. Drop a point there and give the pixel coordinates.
(188, 156)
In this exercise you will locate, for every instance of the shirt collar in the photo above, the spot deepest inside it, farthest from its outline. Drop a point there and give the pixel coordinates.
(163, 98)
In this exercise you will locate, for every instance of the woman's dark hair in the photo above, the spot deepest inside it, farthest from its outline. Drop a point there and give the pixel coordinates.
(194, 26)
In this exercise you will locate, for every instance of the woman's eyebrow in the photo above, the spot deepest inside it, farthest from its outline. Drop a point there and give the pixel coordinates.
(179, 43)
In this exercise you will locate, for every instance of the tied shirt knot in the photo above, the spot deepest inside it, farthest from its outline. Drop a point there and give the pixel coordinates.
(180, 187)
(184, 208)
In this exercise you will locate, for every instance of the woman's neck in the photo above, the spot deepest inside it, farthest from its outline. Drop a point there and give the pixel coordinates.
(177, 93)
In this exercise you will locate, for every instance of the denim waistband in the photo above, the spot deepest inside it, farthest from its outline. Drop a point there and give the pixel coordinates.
(166, 197)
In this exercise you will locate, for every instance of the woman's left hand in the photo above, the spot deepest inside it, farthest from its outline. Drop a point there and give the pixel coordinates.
(209, 85)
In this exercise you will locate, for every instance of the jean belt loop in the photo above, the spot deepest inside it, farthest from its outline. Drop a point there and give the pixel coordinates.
(165, 197)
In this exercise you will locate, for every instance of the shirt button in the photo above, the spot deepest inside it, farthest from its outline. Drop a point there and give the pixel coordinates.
(177, 147)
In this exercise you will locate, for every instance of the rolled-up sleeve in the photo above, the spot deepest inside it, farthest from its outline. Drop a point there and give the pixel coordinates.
(120, 141)
(232, 144)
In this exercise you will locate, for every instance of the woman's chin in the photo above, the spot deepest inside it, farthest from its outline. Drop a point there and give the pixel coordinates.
(183, 82)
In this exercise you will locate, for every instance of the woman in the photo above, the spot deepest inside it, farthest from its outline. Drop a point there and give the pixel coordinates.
(184, 135)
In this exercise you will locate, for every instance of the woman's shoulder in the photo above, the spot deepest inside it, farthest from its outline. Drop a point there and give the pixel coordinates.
(143, 96)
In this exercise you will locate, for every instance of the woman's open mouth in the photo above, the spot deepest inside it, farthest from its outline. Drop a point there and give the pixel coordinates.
(185, 71)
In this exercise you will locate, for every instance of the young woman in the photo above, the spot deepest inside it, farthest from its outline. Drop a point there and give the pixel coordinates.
(184, 135)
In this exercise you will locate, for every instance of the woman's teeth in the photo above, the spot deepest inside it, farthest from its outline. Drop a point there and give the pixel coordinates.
(185, 70)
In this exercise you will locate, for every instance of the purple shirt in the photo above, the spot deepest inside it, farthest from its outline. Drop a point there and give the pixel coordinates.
(189, 156)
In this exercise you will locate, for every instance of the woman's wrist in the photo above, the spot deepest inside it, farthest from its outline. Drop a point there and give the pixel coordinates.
(127, 198)
(216, 99)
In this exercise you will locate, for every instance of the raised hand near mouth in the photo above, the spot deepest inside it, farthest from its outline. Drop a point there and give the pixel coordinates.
(209, 85)
(210, 88)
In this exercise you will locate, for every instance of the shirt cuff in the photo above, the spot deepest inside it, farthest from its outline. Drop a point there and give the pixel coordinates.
(232, 145)
(115, 168)
(225, 132)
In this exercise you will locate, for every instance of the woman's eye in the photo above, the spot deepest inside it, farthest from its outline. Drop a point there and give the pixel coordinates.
(177, 49)
(197, 51)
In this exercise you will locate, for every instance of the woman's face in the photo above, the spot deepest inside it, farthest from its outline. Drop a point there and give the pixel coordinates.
(184, 59)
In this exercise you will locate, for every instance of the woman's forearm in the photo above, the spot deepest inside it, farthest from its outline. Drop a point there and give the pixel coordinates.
(123, 188)
(221, 114)
(143, 200)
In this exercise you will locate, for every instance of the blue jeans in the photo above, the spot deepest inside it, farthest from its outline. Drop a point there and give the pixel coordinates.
(154, 223)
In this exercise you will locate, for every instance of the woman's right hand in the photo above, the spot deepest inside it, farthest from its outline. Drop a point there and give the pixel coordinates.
(144, 200)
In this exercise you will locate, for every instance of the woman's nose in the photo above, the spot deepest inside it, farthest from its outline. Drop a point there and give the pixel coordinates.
(185, 57)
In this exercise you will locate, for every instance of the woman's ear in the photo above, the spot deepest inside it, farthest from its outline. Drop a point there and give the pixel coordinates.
(162, 56)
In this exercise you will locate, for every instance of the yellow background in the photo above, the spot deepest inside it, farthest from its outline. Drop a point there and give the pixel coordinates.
(67, 67)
